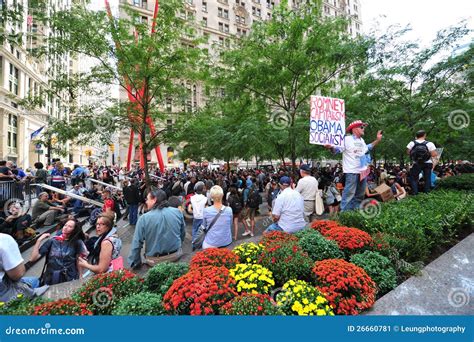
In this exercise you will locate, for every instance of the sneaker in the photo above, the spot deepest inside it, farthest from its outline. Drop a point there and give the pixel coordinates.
(251, 234)
(247, 233)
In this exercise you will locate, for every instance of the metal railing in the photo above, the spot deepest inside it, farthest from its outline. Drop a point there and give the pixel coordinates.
(18, 191)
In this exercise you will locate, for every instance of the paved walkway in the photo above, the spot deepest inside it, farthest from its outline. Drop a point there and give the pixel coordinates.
(445, 287)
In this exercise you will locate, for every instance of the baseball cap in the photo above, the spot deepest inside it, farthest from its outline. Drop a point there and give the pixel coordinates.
(285, 180)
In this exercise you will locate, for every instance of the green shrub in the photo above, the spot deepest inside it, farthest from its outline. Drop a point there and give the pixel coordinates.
(140, 304)
(378, 268)
(20, 306)
(461, 182)
(417, 225)
(286, 261)
(252, 305)
(317, 246)
(161, 276)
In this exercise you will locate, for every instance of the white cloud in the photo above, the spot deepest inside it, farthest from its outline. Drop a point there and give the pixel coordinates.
(424, 16)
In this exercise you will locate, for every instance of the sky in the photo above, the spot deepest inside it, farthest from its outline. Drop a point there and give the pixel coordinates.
(425, 17)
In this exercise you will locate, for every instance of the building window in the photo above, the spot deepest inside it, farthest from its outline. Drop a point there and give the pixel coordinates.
(221, 27)
(355, 8)
(204, 21)
(221, 41)
(169, 124)
(239, 19)
(13, 79)
(222, 13)
(226, 28)
(357, 26)
(204, 6)
(136, 3)
(12, 133)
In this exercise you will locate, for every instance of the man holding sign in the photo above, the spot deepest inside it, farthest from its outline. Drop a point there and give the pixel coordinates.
(354, 163)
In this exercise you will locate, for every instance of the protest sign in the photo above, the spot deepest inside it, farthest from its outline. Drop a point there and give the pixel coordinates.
(327, 121)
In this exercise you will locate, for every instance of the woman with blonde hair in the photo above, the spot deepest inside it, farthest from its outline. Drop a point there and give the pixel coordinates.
(220, 234)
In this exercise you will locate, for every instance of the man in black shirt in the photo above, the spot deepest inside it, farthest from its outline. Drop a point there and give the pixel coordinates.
(131, 194)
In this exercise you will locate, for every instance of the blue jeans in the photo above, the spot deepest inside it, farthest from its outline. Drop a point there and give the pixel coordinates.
(33, 281)
(274, 227)
(354, 191)
(133, 214)
(196, 224)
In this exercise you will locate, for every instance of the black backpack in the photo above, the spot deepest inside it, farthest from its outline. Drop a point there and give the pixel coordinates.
(254, 199)
(236, 204)
(420, 153)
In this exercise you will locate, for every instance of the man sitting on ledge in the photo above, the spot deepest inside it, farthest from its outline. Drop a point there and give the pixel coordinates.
(162, 228)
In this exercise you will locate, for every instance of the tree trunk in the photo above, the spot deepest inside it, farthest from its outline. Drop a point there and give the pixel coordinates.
(293, 141)
(145, 154)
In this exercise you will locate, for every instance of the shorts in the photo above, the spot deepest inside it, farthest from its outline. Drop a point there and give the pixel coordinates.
(248, 213)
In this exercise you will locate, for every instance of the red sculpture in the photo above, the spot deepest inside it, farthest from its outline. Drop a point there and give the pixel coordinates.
(139, 94)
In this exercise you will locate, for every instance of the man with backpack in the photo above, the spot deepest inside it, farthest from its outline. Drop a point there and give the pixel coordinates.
(424, 157)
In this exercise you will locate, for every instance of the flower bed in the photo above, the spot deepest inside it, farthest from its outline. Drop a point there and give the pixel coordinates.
(102, 292)
(323, 226)
(300, 298)
(349, 240)
(346, 286)
(252, 278)
(218, 257)
(248, 252)
(67, 307)
(317, 246)
(286, 262)
(140, 304)
(21, 306)
(280, 238)
(378, 268)
(252, 305)
(202, 291)
(161, 276)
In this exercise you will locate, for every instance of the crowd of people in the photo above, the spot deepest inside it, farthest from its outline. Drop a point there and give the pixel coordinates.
(222, 205)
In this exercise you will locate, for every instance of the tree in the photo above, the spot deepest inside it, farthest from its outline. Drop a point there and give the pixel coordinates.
(408, 88)
(122, 53)
(287, 59)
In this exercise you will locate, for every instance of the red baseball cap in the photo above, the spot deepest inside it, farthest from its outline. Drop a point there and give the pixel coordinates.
(355, 124)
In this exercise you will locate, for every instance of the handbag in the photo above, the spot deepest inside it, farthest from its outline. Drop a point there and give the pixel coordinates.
(318, 204)
(201, 234)
(117, 263)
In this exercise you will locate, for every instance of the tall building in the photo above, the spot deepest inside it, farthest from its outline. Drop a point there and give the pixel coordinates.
(219, 21)
(23, 76)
